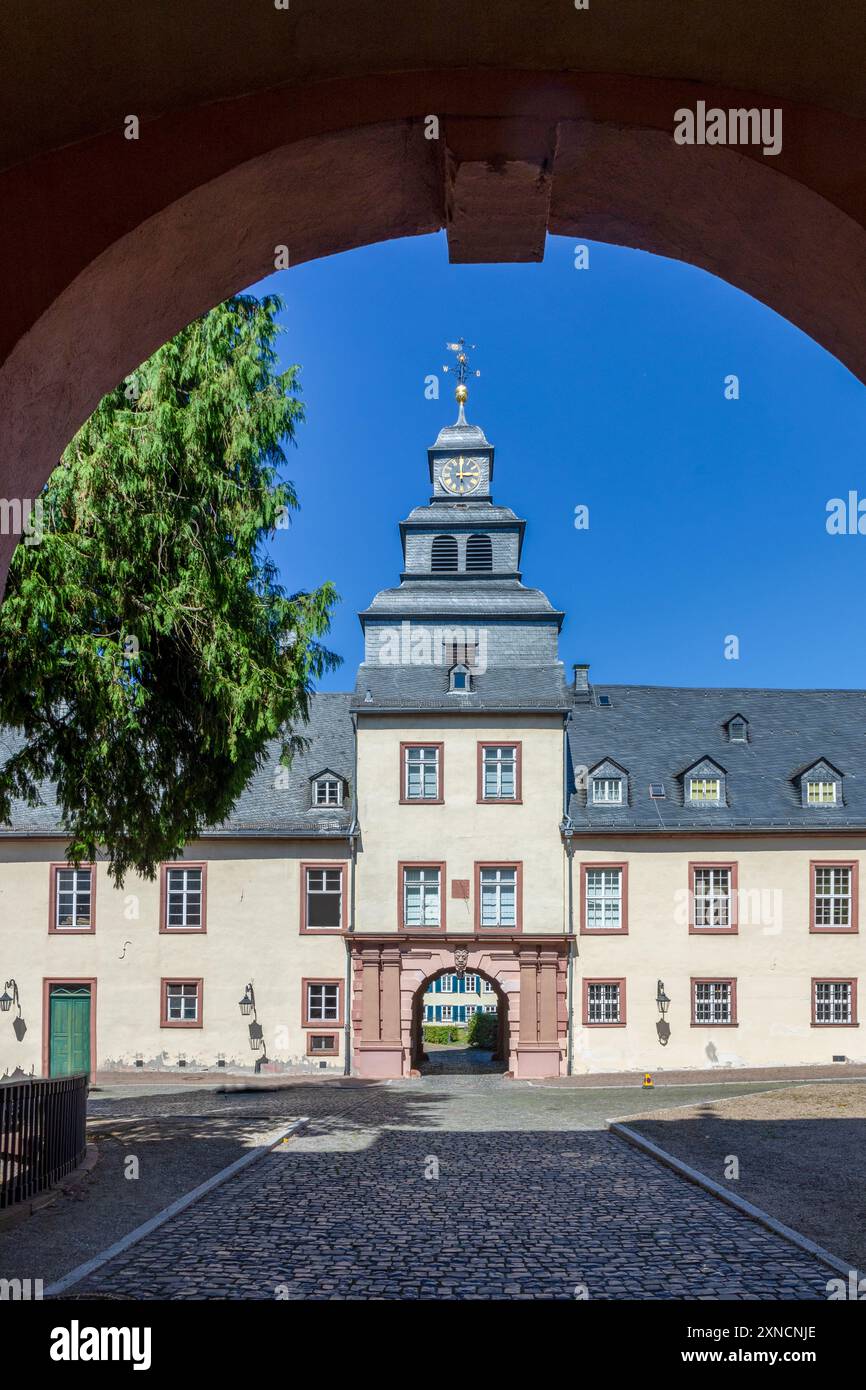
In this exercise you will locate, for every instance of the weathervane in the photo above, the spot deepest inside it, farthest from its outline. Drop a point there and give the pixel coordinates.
(462, 370)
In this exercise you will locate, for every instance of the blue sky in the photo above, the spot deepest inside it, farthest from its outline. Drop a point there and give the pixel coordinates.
(602, 387)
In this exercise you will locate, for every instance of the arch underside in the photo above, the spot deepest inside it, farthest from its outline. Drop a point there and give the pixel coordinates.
(202, 203)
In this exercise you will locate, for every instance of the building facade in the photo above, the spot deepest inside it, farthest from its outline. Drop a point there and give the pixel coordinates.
(634, 878)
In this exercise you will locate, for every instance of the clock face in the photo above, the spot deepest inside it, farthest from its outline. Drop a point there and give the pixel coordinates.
(461, 475)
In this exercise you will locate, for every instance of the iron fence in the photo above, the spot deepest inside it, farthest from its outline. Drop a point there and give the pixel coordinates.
(42, 1133)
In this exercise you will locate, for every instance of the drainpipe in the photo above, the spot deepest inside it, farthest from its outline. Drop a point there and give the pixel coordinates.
(567, 830)
(353, 833)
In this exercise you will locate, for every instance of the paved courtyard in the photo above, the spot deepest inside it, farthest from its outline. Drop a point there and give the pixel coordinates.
(461, 1187)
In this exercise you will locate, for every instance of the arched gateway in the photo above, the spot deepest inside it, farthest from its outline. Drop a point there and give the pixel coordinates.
(389, 978)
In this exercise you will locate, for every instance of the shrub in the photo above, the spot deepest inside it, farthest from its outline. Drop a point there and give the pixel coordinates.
(483, 1031)
(444, 1033)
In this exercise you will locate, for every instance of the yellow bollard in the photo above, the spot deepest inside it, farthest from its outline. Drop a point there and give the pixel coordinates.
(647, 1080)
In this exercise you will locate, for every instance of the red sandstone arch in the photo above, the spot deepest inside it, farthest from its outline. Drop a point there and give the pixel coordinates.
(502, 1052)
(312, 135)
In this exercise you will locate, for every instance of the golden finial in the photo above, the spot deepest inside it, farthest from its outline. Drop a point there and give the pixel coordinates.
(462, 370)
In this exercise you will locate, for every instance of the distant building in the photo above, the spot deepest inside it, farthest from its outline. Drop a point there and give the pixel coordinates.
(469, 816)
(455, 998)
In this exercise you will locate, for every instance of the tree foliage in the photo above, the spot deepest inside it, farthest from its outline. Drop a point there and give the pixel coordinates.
(148, 653)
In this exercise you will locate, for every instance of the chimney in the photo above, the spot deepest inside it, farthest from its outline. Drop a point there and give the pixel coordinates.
(581, 681)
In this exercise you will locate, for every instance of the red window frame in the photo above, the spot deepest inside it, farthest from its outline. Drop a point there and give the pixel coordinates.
(53, 929)
(164, 1020)
(440, 779)
(331, 864)
(164, 928)
(605, 980)
(713, 980)
(733, 927)
(854, 926)
(517, 798)
(621, 930)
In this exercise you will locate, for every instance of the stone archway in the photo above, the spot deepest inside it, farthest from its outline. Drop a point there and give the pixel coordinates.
(388, 974)
(502, 1052)
(293, 128)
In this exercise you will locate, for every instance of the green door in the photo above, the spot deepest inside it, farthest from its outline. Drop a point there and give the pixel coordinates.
(70, 1030)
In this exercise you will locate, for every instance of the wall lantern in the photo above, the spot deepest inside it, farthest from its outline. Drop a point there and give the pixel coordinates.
(7, 999)
(662, 1000)
(248, 1003)
(247, 1006)
(257, 1038)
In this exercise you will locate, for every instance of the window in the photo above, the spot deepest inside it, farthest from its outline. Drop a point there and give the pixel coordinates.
(705, 790)
(834, 1002)
(604, 898)
(183, 897)
(322, 897)
(181, 1004)
(471, 984)
(607, 791)
(322, 1044)
(713, 897)
(820, 793)
(447, 1011)
(472, 1010)
(499, 772)
(443, 554)
(738, 729)
(71, 899)
(459, 678)
(834, 897)
(657, 791)
(322, 1002)
(497, 896)
(447, 983)
(714, 1001)
(479, 553)
(422, 896)
(487, 986)
(603, 1002)
(490, 1008)
(327, 791)
(421, 777)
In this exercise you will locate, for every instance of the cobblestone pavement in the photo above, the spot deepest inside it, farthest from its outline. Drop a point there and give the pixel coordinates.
(531, 1200)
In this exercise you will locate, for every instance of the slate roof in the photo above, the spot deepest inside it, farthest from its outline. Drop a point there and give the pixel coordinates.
(655, 732)
(458, 598)
(406, 687)
(267, 806)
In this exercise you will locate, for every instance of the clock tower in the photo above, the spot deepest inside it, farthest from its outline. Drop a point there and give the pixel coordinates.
(461, 460)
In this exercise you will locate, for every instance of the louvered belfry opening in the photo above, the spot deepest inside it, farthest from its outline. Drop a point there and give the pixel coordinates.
(479, 553)
(444, 555)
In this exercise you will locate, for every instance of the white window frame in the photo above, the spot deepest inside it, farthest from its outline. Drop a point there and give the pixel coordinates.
(77, 892)
(603, 898)
(185, 892)
(713, 906)
(487, 986)
(494, 882)
(838, 998)
(835, 895)
(323, 787)
(496, 758)
(422, 757)
(714, 999)
(184, 991)
(447, 1011)
(607, 791)
(323, 892)
(820, 786)
(699, 791)
(320, 1011)
(429, 882)
(604, 1002)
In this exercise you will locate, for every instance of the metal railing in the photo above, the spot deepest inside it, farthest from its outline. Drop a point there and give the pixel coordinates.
(42, 1133)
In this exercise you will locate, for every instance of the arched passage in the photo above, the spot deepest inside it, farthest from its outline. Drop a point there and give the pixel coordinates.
(451, 991)
(276, 132)
(390, 974)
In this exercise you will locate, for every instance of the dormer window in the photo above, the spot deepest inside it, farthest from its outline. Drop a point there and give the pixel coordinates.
(706, 790)
(821, 793)
(738, 729)
(607, 791)
(327, 791)
(704, 784)
(821, 785)
(459, 678)
(607, 784)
